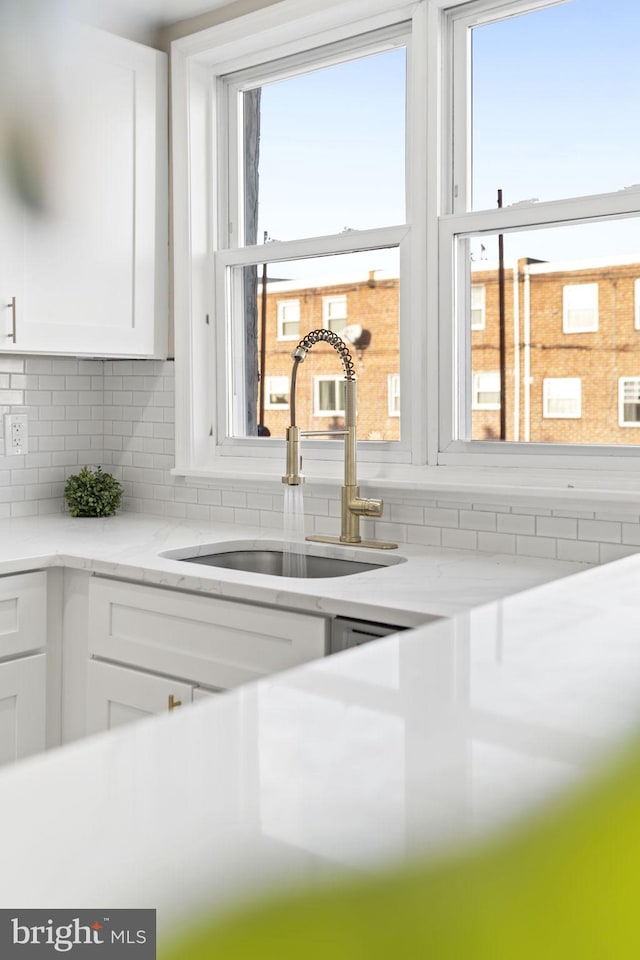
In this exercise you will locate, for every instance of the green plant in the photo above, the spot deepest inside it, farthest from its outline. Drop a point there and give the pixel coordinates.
(92, 493)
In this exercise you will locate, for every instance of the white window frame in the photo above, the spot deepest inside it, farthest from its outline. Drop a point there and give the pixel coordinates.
(327, 304)
(621, 382)
(636, 304)
(393, 394)
(549, 384)
(268, 390)
(476, 390)
(281, 307)
(582, 291)
(207, 358)
(320, 378)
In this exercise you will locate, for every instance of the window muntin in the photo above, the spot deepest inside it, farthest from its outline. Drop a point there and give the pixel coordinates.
(562, 397)
(580, 308)
(288, 318)
(328, 396)
(629, 401)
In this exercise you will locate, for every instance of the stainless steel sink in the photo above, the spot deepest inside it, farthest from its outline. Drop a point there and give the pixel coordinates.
(277, 563)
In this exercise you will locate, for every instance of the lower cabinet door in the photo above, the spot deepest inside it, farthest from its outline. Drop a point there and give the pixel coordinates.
(118, 695)
(23, 695)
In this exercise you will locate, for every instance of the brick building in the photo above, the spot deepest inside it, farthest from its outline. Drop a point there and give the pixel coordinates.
(572, 332)
(572, 349)
(365, 313)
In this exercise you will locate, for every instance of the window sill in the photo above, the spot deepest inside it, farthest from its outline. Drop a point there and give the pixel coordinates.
(573, 489)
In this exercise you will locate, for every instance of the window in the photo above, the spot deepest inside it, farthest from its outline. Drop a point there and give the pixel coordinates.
(259, 197)
(334, 313)
(562, 397)
(551, 237)
(478, 297)
(288, 319)
(328, 396)
(276, 393)
(486, 390)
(393, 394)
(629, 402)
(580, 308)
(509, 239)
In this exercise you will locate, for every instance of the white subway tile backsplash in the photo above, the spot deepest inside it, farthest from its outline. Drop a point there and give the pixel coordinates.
(602, 530)
(497, 542)
(578, 550)
(528, 546)
(477, 520)
(565, 527)
(516, 523)
(460, 539)
(441, 517)
(120, 413)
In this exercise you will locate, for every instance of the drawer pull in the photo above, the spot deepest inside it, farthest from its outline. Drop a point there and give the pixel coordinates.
(173, 703)
(12, 307)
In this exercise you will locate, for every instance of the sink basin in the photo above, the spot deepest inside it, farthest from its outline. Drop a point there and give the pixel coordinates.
(277, 563)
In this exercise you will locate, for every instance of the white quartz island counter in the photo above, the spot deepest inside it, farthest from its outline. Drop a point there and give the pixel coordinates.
(354, 761)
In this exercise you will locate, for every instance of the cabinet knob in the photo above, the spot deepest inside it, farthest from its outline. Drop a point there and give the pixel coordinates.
(173, 703)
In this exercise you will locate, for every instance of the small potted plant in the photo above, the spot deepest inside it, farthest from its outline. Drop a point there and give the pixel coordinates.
(92, 493)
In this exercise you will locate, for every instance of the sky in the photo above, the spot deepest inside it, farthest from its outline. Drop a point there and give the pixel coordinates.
(556, 112)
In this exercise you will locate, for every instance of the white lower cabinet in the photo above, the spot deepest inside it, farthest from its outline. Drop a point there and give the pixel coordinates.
(118, 695)
(23, 673)
(23, 694)
(207, 644)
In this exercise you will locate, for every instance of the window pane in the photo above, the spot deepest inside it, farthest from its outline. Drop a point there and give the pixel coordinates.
(356, 294)
(554, 92)
(570, 333)
(326, 151)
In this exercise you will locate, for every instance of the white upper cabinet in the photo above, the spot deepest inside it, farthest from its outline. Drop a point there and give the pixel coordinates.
(91, 278)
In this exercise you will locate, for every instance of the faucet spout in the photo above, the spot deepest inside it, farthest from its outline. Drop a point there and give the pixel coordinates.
(353, 505)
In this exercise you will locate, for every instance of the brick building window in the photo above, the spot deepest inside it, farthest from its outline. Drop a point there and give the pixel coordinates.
(328, 396)
(580, 308)
(486, 390)
(393, 394)
(334, 312)
(276, 393)
(478, 303)
(562, 398)
(629, 401)
(288, 319)
(636, 304)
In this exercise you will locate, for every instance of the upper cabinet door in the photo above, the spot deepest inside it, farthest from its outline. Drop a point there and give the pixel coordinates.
(91, 278)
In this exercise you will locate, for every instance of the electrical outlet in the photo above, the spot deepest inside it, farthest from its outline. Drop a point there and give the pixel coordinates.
(16, 435)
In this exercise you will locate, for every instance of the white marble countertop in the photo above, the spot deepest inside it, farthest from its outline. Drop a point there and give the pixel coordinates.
(413, 741)
(429, 581)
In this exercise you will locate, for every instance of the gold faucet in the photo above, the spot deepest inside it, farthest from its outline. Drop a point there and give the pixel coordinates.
(353, 505)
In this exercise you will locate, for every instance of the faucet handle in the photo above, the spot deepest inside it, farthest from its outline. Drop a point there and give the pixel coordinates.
(366, 506)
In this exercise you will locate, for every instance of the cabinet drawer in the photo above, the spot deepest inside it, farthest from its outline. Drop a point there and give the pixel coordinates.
(23, 613)
(221, 643)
